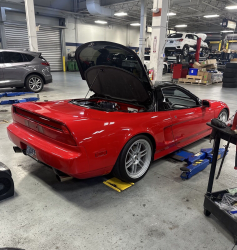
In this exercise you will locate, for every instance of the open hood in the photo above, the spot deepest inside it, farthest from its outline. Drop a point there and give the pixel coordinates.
(115, 71)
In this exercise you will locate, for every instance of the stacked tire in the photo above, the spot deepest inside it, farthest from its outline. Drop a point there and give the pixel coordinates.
(230, 76)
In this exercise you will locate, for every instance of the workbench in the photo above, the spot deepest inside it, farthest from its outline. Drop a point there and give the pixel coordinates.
(210, 206)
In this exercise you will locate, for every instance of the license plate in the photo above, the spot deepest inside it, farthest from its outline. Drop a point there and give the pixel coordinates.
(171, 41)
(31, 152)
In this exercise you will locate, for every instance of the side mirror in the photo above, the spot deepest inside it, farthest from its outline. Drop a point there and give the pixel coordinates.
(205, 103)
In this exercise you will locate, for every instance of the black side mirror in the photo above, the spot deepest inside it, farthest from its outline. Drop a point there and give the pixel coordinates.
(205, 103)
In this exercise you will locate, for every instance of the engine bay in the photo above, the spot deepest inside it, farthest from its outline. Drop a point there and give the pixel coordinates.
(109, 105)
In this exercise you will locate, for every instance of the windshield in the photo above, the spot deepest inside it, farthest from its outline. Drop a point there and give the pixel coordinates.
(110, 55)
(176, 35)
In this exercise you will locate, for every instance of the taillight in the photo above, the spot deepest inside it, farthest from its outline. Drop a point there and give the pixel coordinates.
(45, 63)
(180, 40)
(46, 126)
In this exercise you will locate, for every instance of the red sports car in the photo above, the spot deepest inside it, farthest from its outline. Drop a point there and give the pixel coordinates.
(125, 125)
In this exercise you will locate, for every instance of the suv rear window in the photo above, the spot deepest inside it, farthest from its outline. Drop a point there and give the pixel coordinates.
(28, 57)
(176, 35)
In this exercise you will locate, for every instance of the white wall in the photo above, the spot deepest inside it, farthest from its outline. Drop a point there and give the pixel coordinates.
(79, 32)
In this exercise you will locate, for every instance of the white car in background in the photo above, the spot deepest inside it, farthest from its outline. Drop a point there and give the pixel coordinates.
(184, 43)
(147, 64)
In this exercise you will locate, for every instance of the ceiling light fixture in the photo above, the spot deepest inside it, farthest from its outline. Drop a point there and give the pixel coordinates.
(226, 31)
(121, 13)
(232, 7)
(211, 16)
(171, 14)
(101, 22)
(135, 24)
(181, 25)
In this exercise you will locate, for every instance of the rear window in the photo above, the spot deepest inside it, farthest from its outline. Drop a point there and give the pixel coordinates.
(28, 57)
(43, 59)
(176, 35)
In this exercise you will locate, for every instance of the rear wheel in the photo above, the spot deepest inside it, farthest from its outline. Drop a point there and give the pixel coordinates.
(134, 160)
(206, 212)
(34, 83)
(185, 50)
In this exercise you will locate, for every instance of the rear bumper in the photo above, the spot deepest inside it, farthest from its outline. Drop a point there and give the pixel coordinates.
(68, 159)
(48, 79)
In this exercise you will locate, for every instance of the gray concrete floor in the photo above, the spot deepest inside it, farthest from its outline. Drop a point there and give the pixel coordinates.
(159, 212)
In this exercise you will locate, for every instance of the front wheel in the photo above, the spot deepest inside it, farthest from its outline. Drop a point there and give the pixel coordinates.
(134, 160)
(34, 83)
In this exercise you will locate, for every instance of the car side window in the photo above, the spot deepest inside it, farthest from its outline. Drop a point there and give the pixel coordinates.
(28, 58)
(12, 57)
(195, 37)
(178, 99)
(1, 58)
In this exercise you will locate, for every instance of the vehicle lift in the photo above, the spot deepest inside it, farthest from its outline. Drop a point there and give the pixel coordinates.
(198, 162)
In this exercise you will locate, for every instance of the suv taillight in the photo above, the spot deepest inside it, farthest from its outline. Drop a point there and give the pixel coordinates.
(180, 40)
(45, 63)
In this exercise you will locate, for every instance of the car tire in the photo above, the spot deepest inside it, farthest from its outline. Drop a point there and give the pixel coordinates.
(223, 116)
(165, 70)
(230, 80)
(231, 65)
(34, 83)
(229, 85)
(185, 50)
(134, 159)
(205, 52)
(230, 75)
(206, 212)
(229, 70)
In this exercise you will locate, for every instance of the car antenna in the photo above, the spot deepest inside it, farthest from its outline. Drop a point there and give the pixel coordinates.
(100, 70)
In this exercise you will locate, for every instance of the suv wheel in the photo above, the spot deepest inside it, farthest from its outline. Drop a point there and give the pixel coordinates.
(185, 50)
(34, 83)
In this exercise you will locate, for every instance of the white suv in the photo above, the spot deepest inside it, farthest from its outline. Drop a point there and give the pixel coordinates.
(147, 64)
(184, 43)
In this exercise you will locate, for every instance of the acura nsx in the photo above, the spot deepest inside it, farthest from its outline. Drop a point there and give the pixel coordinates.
(125, 125)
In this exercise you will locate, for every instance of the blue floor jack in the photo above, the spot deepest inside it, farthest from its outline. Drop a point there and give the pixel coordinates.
(198, 162)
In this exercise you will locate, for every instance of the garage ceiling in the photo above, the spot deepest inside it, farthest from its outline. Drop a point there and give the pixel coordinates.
(188, 12)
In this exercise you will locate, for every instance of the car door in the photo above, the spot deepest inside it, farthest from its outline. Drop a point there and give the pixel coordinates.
(186, 114)
(2, 81)
(15, 69)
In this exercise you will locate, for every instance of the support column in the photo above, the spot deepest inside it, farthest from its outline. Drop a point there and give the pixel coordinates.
(2, 28)
(31, 26)
(158, 39)
(142, 39)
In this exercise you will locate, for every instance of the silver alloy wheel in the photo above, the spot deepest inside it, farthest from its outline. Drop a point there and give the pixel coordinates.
(138, 158)
(223, 116)
(185, 51)
(35, 83)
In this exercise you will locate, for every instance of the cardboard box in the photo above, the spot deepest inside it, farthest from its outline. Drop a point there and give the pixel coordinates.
(207, 77)
(196, 65)
(211, 61)
(201, 73)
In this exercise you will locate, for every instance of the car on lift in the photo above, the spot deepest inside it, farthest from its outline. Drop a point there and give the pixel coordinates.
(184, 43)
(24, 69)
(121, 128)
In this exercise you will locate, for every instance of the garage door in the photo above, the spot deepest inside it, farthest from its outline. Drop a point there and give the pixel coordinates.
(49, 42)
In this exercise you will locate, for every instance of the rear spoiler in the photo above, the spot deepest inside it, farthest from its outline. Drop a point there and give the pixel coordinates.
(33, 52)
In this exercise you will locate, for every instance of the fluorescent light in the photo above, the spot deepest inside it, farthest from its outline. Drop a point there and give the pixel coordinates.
(101, 22)
(210, 16)
(121, 13)
(232, 7)
(135, 24)
(226, 31)
(181, 25)
(171, 14)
